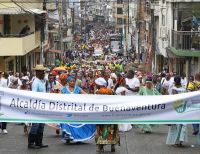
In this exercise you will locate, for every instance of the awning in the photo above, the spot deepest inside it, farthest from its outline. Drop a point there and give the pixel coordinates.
(17, 10)
(184, 53)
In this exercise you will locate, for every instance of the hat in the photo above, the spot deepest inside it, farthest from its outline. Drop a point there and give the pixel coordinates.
(40, 67)
(101, 81)
(113, 75)
(54, 73)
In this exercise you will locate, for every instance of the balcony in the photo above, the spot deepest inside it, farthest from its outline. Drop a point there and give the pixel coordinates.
(19, 45)
(185, 43)
(186, 40)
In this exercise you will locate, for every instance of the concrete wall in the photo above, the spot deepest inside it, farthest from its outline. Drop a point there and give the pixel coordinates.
(19, 21)
(38, 4)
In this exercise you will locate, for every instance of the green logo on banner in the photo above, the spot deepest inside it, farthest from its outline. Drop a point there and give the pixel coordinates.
(180, 106)
(1, 114)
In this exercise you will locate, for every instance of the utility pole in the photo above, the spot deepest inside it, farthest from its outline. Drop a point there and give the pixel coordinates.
(42, 37)
(65, 10)
(73, 18)
(81, 6)
(141, 26)
(60, 10)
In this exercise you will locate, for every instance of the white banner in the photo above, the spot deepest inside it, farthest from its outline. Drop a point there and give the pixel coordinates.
(26, 106)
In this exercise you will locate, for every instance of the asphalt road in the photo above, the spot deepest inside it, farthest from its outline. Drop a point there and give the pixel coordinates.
(133, 142)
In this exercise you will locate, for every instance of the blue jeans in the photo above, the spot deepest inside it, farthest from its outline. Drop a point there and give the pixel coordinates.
(195, 127)
(37, 128)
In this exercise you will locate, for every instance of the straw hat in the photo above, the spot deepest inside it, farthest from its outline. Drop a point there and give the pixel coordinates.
(40, 67)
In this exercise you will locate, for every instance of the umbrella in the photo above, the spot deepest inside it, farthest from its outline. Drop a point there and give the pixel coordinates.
(59, 68)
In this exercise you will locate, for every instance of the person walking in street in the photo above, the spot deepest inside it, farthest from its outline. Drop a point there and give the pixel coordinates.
(106, 134)
(35, 136)
(133, 83)
(75, 132)
(194, 85)
(4, 82)
(26, 87)
(148, 89)
(121, 90)
(177, 133)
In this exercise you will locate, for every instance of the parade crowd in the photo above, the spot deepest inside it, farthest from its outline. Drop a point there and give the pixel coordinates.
(111, 81)
(109, 77)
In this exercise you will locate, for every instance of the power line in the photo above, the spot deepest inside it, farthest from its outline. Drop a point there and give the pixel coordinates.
(59, 2)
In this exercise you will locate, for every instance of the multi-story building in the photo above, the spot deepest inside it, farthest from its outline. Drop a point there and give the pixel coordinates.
(124, 17)
(177, 35)
(20, 32)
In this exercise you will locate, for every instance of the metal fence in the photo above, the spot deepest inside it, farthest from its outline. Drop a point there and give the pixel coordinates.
(186, 40)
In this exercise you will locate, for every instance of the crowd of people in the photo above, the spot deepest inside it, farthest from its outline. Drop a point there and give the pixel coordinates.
(99, 78)
(84, 80)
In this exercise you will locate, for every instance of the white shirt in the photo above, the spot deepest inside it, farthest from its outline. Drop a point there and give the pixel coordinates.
(167, 85)
(184, 82)
(4, 82)
(110, 83)
(132, 83)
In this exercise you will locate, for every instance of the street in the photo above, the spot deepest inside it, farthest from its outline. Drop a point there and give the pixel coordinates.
(133, 142)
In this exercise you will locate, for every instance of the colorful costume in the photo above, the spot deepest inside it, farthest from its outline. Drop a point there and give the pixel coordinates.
(147, 128)
(76, 132)
(106, 134)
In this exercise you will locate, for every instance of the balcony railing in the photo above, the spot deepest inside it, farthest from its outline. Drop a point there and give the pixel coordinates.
(186, 40)
(19, 45)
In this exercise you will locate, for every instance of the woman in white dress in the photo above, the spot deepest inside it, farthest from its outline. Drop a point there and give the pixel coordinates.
(177, 133)
(121, 90)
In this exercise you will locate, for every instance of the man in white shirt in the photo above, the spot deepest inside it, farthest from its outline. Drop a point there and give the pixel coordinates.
(184, 81)
(3, 83)
(133, 83)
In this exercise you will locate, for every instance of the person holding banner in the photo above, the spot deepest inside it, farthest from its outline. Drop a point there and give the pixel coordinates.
(177, 133)
(106, 134)
(36, 132)
(4, 82)
(194, 86)
(76, 132)
(148, 89)
(121, 90)
(25, 86)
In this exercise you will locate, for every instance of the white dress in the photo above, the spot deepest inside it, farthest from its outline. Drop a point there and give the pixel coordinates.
(123, 127)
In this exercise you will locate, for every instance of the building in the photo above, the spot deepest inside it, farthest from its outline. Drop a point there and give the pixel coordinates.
(21, 26)
(177, 35)
(60, 29)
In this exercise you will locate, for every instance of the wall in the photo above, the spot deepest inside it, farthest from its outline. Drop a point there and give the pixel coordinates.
(18, 46)
(19, 21)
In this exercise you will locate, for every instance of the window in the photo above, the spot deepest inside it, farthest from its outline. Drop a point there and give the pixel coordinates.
(119, 11)
(119, 21)
(163, 20)
(121, 30)
(119, 1)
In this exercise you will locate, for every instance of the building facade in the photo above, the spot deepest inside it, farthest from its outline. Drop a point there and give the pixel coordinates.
(20, 32)
(177, 35)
